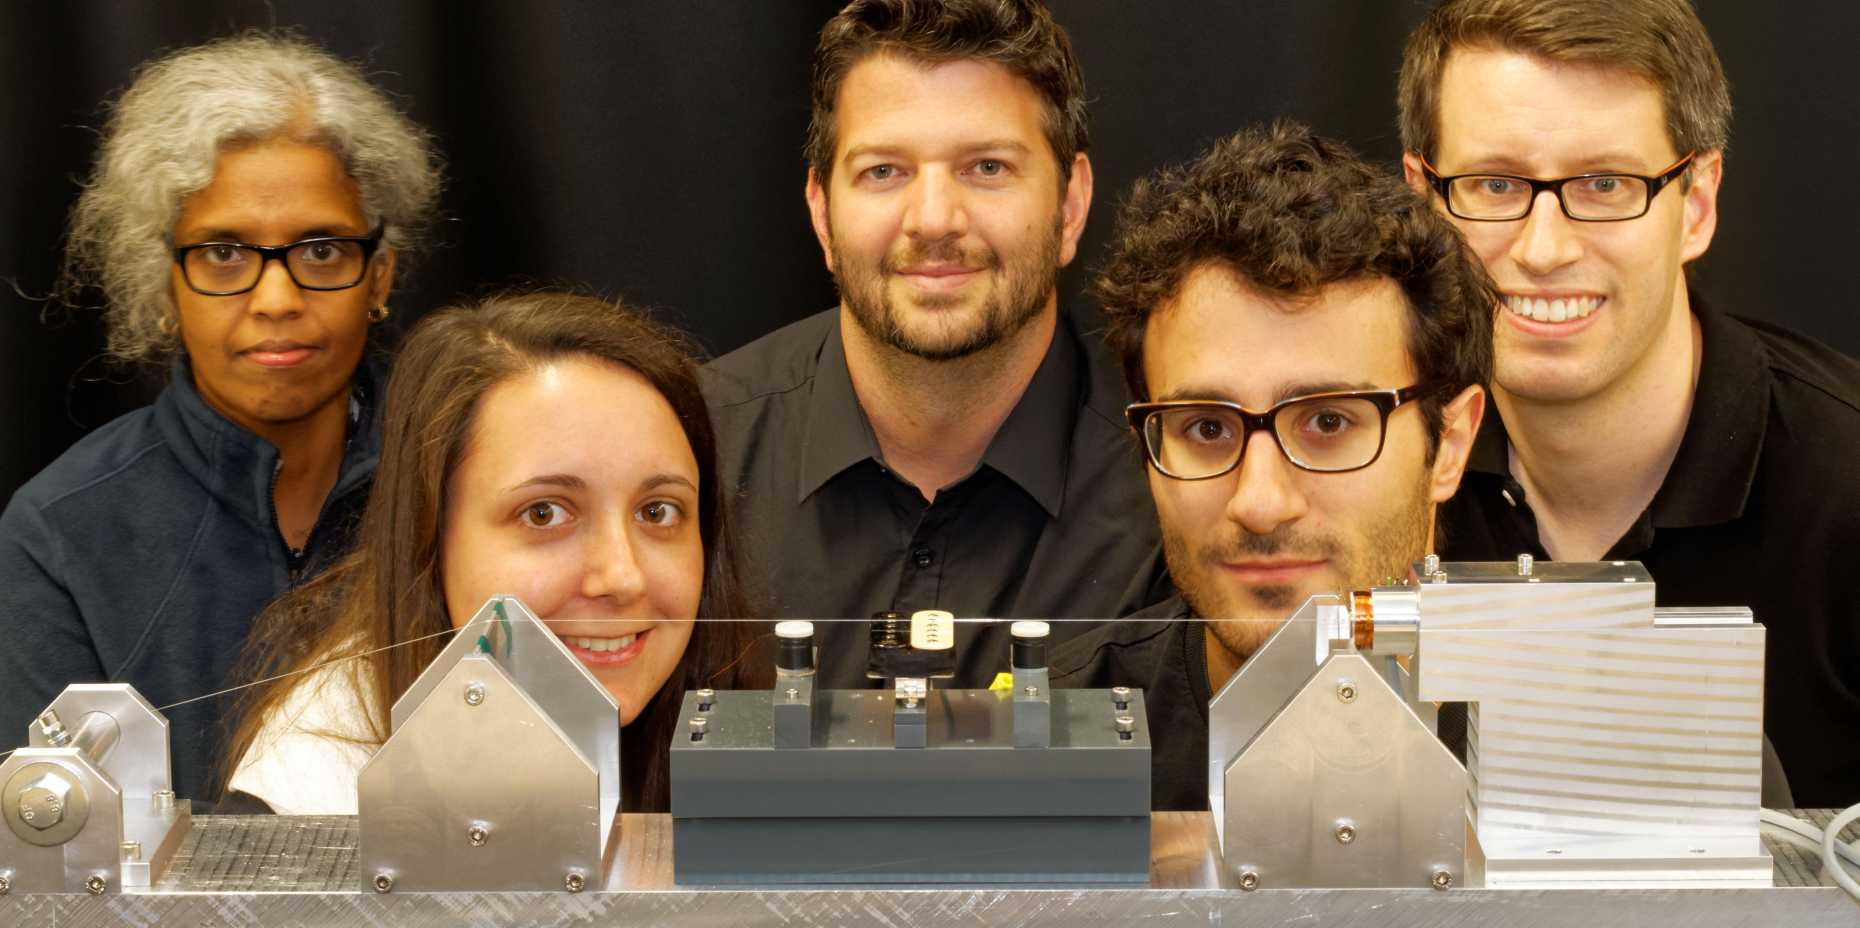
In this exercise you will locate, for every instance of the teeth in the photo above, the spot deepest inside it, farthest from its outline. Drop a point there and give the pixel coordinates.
(1561, 310)
(603, 644)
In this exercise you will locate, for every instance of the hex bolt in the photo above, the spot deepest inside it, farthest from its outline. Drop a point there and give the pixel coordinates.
(474, 694)
(477, 834)
(1430, 565)
(1346, 832)
(1120, 697)
(574, 881)
(1126, 725)
(699, 726)
(1249, 880)
(1524, 565)
(383, 882)
(1442, 880)
(94, 884)
(1346, 690)
(705, 698)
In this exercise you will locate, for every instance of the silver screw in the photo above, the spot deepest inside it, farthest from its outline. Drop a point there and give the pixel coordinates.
(1120, 695)
(383, 882)
(6, 885)
(1249, 880)
(1125, 724)
(699, 726)
(1033, 691)
(95, 885)
(164, 799)
(705, 697)
(1346, 832)
(132, 850)
(477, 835)
(574, 881)
(1430, 564)
(474, 694)
(1524, 565)
(794, 693)
(1346, 691)
(1442, 879)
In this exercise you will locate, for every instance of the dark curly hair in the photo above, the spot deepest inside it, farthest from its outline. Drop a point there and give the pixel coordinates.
(1290, 213)
(1019, 35)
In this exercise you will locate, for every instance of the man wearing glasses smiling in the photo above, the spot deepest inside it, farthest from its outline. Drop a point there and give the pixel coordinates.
(1308, 341)
(1579, 146)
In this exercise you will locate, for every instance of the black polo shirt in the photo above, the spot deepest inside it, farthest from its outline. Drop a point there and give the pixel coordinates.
(1761, 508)
(1162, 651)
(1056, 522)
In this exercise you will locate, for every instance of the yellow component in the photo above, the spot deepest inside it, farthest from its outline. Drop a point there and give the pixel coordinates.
(1004, 683)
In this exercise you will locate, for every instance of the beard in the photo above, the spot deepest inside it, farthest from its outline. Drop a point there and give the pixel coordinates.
(1243, 617)
(938, 327)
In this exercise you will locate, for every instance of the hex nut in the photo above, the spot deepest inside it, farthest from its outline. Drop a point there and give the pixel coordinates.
(1442, 880)
(1249, 880)
(94, 884)
(383, 882)
(574, 881)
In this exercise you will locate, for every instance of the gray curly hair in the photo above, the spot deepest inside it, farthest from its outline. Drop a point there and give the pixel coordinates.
(162, 144)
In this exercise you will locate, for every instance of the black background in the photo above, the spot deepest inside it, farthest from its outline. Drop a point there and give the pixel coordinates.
(651, 149)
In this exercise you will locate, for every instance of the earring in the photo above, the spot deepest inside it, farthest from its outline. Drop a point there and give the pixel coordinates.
(168, 325)
(378, 314)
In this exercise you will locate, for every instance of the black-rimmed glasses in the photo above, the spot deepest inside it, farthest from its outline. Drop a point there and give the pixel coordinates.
(1327, 433)
(1609, 197)
(326, 262)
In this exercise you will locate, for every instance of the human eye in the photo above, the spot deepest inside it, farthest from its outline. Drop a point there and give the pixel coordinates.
(220, 254)
(991, 167)
(1326, 421)
(1206, 430)
(661, 513)
(880, 173)
(321, 251)
(544, 514)
(1606, 186)
(1495, 186)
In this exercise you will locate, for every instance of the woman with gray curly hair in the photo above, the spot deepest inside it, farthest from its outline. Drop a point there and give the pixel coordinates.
(249, 204)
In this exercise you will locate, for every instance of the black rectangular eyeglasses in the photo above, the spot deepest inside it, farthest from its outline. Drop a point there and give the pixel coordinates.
(1606, 197)
(325, 262)
(1326, 433)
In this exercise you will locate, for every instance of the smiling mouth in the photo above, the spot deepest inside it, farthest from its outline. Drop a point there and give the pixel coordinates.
(605, 652)
(1561, 309)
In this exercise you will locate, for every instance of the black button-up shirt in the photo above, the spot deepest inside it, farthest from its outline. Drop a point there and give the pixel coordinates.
(1056, 522)
(1761, 508)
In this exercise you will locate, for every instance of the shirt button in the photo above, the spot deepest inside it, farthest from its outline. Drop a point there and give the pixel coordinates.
(922, 556)
(1508, 498)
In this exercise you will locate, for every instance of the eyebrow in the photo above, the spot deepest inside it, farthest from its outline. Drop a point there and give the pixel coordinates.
(565, 481)
(1603, 162)
(225, 234)
(1287, 391)
(1008, 145)
(659, 480)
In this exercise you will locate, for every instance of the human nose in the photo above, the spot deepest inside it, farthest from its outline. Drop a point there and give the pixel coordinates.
(276, 295)
(611, 568)
(936, 209)
(1548, 239)
(1267, 495)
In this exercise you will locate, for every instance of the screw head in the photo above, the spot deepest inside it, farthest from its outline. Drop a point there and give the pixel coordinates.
(1346, 690)
(1125, 723)
(477, 835)
(1033, 691)
(474, 696)
(700, 725)
(1430, 564)
(6, 885)
(1346, 832)
(1120, 693)
(574, 881)
(705, 697)
(95, 885)
(1442, 880)
(793, 693)
(383, 882)
(1249, 880)
(1524, 565)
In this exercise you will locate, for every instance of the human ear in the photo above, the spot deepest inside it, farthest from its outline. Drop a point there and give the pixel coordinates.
(1707, 172)
(1460, 425)
(817, 214)
(1074, 206)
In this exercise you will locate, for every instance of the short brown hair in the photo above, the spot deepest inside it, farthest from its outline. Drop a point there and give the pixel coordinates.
(1291, 213)
(1661, 40)
(1019, 35)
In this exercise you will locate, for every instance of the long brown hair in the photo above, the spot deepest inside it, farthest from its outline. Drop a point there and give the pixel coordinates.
(385, 604)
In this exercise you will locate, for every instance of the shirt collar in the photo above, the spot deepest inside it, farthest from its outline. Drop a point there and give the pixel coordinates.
(1710, 479)
(1032, 447)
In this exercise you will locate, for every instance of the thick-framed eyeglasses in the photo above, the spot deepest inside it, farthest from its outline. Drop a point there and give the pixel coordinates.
(1609, 197)
(326, 262)
(1328, 433)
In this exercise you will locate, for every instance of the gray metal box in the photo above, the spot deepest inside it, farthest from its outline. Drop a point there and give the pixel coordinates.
(969, 807)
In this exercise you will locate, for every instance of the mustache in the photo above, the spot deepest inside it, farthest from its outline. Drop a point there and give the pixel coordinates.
(1280, 542)
(943, 251)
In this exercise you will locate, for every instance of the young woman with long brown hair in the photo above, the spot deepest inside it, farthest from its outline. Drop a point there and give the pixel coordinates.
(549, 445)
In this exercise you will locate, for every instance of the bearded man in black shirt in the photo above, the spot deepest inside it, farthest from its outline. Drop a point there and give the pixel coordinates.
(1308, 342)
